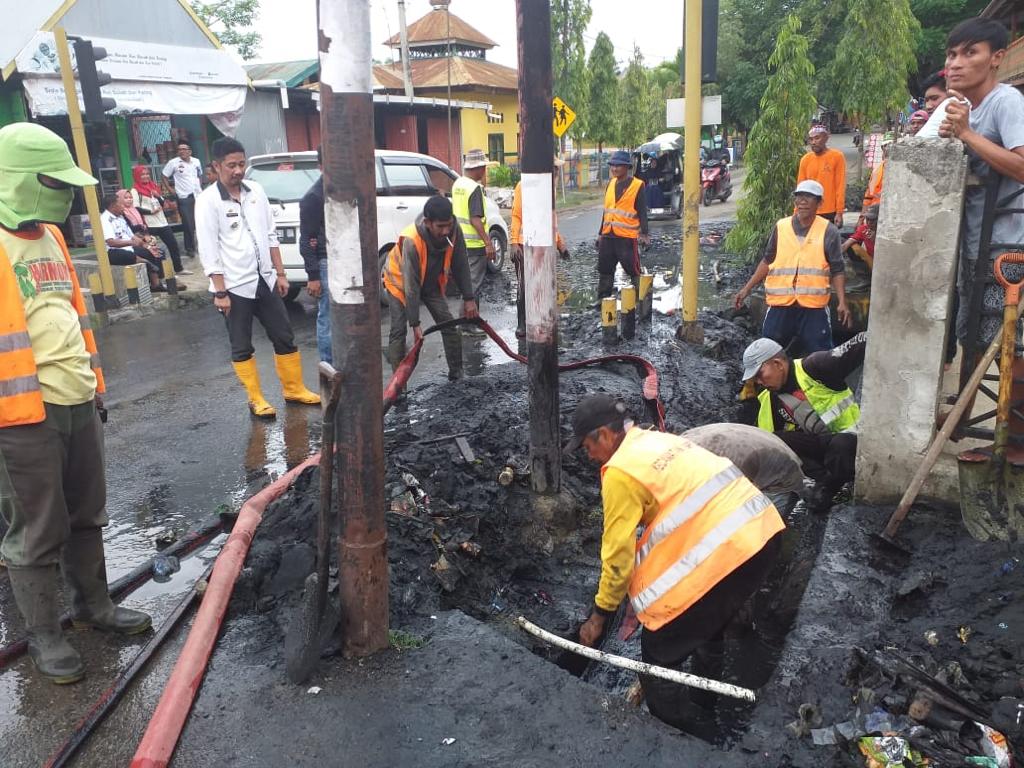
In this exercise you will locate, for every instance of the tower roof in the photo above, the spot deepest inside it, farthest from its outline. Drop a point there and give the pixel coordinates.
(432, 30)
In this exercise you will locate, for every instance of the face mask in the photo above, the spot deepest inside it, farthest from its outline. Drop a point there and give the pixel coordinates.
(24, 201)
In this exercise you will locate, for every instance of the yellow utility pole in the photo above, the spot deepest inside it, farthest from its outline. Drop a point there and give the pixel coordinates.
(67, 76)
(689, 330)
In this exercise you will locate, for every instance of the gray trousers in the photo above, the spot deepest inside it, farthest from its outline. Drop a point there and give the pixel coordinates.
(477, 269)
(52, 481)
(437, 306)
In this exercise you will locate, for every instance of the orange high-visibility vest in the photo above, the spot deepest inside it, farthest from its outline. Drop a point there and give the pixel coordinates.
(800, 272)
(620, 216)
(515, 236)
(21, 400)
(393, 270)
(710, 521)
(873, 194)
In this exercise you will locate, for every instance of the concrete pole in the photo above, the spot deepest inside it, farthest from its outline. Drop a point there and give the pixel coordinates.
(404, 37)
(92, 207)
(533, 23)
(689, 330)
(346, 115)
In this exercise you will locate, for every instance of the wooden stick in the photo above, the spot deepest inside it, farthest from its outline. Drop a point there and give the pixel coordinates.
(642, 667)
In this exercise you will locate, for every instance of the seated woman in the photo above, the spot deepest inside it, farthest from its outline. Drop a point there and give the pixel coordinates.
(124, 247)
(146, 197)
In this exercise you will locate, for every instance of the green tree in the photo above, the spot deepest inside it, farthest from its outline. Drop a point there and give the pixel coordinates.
(230, 21)
(776, 140)
(570, 81)
(602, 120)
(873, 62)
(636, 114)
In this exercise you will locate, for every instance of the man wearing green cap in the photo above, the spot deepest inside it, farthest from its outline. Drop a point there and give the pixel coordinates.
(52, 480)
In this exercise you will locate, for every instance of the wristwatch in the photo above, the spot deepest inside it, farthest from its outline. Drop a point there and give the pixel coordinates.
(220, 295)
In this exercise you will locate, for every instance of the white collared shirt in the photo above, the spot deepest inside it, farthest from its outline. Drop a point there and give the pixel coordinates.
(115, 227)
(187, 176)
(235, 237)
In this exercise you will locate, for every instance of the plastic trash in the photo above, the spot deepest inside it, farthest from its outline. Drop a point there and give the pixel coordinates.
(964, 632)
(889, 752)
(984, 762)
(164, 566)
(930, 130)
(448, 741)
(931, 637)
(994, 745)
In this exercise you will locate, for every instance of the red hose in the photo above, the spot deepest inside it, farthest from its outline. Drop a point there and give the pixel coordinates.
(165, 727)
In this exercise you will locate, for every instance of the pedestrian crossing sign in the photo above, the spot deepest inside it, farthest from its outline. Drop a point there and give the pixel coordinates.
(561, 116)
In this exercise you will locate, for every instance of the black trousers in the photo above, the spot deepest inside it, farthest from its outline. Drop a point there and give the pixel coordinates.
(166, 234)
(613, 251)
(828, 459)
(124, 257)
(187, 209)
(699, 632)
(270, 310)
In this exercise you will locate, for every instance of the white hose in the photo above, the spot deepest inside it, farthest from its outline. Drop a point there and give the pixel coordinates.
(642, 667)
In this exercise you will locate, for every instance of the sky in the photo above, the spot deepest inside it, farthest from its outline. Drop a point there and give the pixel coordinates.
(289, 28)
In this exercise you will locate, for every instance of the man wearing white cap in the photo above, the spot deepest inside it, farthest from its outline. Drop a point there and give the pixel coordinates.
(468, 204)
(808, 404)
(802, 263)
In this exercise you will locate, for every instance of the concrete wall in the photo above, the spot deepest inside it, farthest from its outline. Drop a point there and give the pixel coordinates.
(911, 292)
(262, 129)
(157, 21)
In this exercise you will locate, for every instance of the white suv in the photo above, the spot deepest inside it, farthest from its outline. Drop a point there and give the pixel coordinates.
(404, 182)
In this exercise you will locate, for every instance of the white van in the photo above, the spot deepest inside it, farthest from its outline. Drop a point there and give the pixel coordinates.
(404, 182)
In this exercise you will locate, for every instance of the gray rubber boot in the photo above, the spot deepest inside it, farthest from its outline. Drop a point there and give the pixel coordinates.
(35, 591)
(85, 571)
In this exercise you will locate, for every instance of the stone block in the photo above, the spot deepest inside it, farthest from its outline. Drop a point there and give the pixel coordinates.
(911, 299)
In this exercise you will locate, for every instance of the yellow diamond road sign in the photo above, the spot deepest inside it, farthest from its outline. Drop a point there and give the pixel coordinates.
(561, 116)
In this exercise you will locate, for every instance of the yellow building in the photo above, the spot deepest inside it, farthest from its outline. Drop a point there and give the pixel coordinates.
(443, 50)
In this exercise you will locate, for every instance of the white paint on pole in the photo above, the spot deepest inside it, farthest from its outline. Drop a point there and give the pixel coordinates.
(347, 64)
(538, 216)
(344, 252)
(541, 295)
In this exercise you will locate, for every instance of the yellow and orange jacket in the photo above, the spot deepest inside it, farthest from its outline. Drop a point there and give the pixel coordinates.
(800, 273)
(516, 230)
(702, 520)
(393, 280)
(873, 193)
(21, 399)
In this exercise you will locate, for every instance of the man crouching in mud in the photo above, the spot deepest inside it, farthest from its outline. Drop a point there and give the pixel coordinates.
(710, 538)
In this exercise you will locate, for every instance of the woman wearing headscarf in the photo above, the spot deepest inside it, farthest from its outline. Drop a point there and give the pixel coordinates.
(147, 199)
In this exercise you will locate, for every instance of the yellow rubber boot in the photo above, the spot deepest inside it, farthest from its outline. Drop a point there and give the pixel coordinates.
(289, 370)
(250, 378)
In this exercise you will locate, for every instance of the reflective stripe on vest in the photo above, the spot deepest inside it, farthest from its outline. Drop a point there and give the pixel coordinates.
(800, 273)
(710, 520)
(620, 216)
(824, 411)
(21, 399)
(393, 280)
(462, 190)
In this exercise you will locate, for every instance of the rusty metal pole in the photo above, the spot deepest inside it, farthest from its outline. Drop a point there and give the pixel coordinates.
(533, 21)
(350, 209)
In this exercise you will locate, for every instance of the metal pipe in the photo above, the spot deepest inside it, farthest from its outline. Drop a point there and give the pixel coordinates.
(350, 211)
(689, 330)
(92, 205)
(646, 297)
(609, 319)
(533, 24)
(641, 667)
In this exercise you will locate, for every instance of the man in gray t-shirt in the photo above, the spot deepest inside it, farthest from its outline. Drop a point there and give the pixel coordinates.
(991, 126)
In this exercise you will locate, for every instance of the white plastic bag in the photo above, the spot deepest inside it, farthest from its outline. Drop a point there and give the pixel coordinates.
(930, 130)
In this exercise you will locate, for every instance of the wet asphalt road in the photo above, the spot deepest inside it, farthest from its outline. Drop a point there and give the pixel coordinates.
(180, 443)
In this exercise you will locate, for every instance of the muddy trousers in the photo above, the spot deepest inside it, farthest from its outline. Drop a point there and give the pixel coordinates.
(699, 632)
(810, 329)
(437, 306)
(52, 483)
(478, 262)
(613, 251)
(269, 309)
(827, 459)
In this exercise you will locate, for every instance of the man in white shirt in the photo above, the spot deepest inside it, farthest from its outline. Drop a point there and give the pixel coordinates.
(239, 251)
(124, 247)
(184, 175)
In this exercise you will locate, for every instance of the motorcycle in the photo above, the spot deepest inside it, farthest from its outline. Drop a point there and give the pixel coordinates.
(715, 180)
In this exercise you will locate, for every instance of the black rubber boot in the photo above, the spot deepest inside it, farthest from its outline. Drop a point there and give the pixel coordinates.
(35, 591)
(605, 287)
(85, 571)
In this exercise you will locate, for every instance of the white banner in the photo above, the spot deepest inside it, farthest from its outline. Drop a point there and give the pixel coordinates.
(147, 62)
(46, 98)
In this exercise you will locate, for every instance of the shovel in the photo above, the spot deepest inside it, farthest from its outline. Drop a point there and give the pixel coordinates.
(991, 478)
(317, 620)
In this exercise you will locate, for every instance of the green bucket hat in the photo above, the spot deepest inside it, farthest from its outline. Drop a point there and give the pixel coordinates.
(31, 148)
